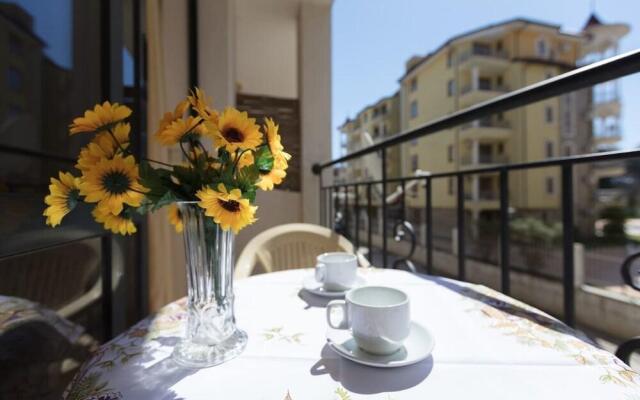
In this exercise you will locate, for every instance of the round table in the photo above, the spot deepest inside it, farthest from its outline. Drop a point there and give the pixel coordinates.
(488, 346)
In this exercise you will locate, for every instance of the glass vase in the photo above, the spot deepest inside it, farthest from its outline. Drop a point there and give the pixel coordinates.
(212, 336)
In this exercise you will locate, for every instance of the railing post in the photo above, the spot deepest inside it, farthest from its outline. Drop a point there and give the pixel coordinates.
(429, 227)
(384, 207)
(461, 247)
(332, 220)
(504, 232)
(567, 244)
(369, 225)
(346, 212)
(357, 209)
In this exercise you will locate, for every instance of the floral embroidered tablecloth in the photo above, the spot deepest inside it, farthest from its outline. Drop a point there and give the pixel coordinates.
(488, 346)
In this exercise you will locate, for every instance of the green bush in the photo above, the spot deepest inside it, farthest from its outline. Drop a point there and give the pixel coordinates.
(529, 230)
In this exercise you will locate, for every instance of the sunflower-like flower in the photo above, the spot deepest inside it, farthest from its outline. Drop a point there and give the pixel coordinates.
(104, 146)
(112, 183)
(100, 118)
(236, 130)
(280, 157)
(120, 224)
(268, 179)
(202, 105)
(178, 129)
(227, 208)
(170, 117)
(62, 197)
(175, 217)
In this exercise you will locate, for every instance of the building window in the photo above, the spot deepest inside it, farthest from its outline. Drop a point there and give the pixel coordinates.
(451, 87)
(541, 47)
(413, 85)
(414, 162)
(549, 185)
(548, 149)
(500, 148)
(384, 129)
(376, 131)
(450, 185)
(15, 45)
(14, 79)
(548, 114)
(499, 47)
(450, 153)
(449, 59)
(383, 109)
(366, 117)
(414, 109)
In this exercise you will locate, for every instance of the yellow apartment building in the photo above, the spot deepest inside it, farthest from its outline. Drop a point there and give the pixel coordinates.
(471, 68)
(372, 124)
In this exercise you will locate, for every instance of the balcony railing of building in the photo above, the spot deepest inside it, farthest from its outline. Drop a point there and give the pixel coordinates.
(584, 77)
(483, 51)
(486, 123)
(484, 86)
(484, 158)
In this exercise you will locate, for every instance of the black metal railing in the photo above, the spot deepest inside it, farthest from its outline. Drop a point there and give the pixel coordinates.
(376, 191)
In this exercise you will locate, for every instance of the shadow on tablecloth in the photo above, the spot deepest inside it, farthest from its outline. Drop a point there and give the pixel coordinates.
(361, 379)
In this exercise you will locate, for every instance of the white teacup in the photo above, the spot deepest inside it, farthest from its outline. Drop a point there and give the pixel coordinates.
(337, 271)
(378, 317)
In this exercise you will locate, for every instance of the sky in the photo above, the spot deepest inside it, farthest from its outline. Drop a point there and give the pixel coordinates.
(372, 39)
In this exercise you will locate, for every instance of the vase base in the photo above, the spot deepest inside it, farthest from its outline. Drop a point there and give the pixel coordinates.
(194, 355)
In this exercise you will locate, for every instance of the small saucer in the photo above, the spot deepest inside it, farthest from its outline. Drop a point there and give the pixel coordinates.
(311, 285)
(416, 348)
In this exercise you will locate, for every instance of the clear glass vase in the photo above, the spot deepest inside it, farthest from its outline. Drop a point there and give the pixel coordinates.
(212, 336)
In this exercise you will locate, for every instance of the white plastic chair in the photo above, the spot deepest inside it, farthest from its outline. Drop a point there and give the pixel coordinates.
(290, 246)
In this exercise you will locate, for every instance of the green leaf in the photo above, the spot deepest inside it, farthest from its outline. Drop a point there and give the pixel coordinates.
(263, 159)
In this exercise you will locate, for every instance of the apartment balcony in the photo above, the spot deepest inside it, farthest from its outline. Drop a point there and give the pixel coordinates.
(486, 59)
(486, 128)
(605, 104)
(607, 136)
(483, 160)
(482, 91)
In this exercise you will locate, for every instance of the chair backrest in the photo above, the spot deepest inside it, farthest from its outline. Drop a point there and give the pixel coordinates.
(290, 246)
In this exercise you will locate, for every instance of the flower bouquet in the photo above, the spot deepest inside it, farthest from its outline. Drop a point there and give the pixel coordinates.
(210, 197)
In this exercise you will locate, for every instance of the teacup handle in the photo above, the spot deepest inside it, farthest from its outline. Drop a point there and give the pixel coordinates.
(321, 272)
(344, 322)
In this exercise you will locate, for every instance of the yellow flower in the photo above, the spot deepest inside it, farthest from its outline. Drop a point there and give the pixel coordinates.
(113, 183)
(175, 217)
(237, 130)
(176, 130)
(170, 117)
(280, 158)
(120, 224)
(202, 104)
(228, 209)
(100, 118)
(246, 159)
(271, 178)
(103, 146)
(62, 197)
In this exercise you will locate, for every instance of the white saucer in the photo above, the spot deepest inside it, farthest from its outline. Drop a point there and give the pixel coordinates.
(416, 348)
(311, 285)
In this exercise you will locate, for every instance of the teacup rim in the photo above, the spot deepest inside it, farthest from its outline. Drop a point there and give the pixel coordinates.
(350, 293)
(343, 253)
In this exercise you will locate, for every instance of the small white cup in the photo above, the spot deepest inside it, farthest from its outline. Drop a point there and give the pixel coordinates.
(337, 271)
(378, 317)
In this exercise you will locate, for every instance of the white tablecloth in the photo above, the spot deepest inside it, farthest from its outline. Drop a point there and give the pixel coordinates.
(488, 346)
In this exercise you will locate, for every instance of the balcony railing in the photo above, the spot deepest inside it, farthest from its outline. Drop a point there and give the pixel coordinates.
(486, 123)
(484, 87)
(484, 159)
(584, 77)
(483, 51)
